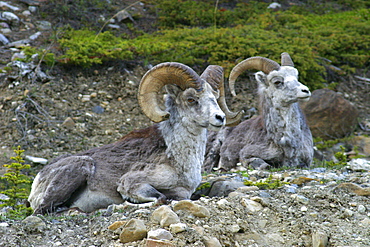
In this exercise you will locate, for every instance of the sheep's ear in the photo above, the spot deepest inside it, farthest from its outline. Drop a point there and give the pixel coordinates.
(172, 90)
(261, 78)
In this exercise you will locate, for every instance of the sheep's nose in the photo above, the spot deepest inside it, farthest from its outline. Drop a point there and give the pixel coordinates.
(306, 91)
(220, 118)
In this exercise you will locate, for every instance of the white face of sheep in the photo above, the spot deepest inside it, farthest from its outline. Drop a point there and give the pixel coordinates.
(200, 108)
(193, 100)
(283, 86)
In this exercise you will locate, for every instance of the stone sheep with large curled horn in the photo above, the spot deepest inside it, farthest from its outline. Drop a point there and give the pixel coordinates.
(157, 163)
(279, 136)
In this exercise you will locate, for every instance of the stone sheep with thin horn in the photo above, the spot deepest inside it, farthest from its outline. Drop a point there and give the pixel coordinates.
(158, 163)
(279, 136)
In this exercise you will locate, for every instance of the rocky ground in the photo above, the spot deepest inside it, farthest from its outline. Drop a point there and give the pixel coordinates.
(67, 110)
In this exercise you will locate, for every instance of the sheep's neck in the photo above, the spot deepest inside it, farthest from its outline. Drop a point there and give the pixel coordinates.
(283, 125)
(185, 146)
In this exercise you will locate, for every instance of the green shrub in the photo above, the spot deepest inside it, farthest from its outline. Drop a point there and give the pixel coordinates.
(18, 186)
(266, 184)
(310, 39)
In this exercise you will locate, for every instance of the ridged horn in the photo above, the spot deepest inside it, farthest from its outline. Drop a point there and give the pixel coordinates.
(258, 63)
(214, 75)
(159, 76)
(286, 60)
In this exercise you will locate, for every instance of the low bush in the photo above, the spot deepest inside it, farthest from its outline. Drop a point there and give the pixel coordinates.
(316, 42)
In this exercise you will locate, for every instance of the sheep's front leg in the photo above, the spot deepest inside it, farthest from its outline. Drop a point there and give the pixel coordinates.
(137, 190)
(56, 183)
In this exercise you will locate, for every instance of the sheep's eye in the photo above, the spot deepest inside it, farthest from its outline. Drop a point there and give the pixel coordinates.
(278, 81)
(191, 100)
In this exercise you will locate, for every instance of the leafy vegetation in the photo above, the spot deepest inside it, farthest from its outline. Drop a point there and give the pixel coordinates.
(199, 33)
(266, 184)
(18, 187)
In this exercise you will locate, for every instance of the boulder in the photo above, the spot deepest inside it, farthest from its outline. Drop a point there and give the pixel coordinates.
(330, 115)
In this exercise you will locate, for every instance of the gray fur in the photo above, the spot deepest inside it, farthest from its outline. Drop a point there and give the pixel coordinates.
(154, 164)
(279, 136)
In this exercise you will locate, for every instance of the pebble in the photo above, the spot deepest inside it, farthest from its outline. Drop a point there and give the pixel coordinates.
(4, 5)
(33, 223)
(158, 243)
(361, 209)
(165, 216)
(252, 206)
(133, 230)
(301, 199)
(160, 234)
(223, 203)
(3, 39)
(98, 109)
(212, 242)
(359, 165)
(43, 25)
(4, 224)
(36, 160)
(348, 213)
(178, 227)
(10, 17)
(319, 239)
(192, 208)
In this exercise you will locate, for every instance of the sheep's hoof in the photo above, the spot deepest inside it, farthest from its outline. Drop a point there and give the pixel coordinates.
(162, 201)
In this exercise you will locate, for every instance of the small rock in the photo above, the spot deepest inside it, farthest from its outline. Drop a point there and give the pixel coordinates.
(319, 239)
(224, 187)
(10, 17)
(165, 216)
(85, 98)
(113, 26)
(158, 243)
(26, 13)
(33, 223)
(359, 165)
(123, 15)
(290, 189)
(234, 228)
(365, 222)
(247, 189)
(274, 5)
(348, 213)
(212, 242)
(35, 36)
(3, 39)
(301, 199)
(251, 205)
(98, 109)
(116, 225)
(361, 209)
(160, 234)
(133, 230)
(358, 190)
(4, 224)
(33, 9)
(178, 227)
(69, 123)
(36, 160)
(223, 203)
(6, 5)
(43, 25)
(190, 207)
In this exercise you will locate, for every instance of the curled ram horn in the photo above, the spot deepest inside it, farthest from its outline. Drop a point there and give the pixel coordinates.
(214, 75)
(257, 63)
(159, 76)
